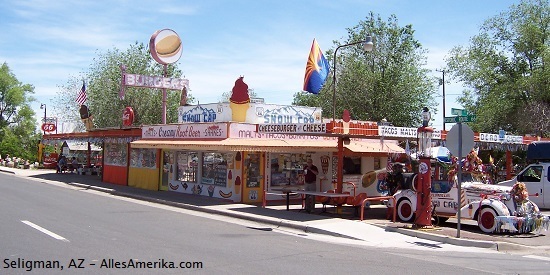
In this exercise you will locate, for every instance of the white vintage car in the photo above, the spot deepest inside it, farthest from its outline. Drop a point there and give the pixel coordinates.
(492, 206)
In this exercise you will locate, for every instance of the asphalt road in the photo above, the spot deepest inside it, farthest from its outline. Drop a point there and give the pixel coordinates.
(88, 232)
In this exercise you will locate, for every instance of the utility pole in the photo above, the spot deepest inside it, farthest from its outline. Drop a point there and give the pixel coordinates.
(443, 83)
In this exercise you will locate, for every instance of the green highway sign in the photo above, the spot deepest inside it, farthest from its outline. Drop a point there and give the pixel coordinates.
(459, 112)
(456, 119)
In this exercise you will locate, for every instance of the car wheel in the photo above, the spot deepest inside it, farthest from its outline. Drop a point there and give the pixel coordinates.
(486, 220)
(405, 210)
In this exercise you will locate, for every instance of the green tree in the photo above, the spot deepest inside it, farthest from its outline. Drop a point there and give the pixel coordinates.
(103, 85)
(388, 82)
(18, 136)
(504, 70)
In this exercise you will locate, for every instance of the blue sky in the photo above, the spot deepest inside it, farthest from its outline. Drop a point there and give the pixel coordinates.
(45, 42)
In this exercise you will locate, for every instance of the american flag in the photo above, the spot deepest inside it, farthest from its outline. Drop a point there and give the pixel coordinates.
(81, 97)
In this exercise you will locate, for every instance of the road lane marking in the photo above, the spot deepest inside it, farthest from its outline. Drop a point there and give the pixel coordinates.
(45, 231)
(537, 257)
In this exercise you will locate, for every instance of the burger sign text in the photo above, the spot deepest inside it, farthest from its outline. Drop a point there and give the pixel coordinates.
(293, 128)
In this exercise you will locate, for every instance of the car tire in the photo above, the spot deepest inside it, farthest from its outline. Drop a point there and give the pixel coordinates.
(486, 220)
(405, 210)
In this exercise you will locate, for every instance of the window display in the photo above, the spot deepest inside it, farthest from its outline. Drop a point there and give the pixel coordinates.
(188, 164)
(287, 169)
(143, 158)
(252, 163)
(214, 168)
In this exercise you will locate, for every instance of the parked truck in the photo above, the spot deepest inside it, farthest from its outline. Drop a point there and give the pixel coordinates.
(536, 175)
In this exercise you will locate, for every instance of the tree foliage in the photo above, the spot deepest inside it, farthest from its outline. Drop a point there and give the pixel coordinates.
(103, 82)
(18, 135)
(389, 82)
(504, 68)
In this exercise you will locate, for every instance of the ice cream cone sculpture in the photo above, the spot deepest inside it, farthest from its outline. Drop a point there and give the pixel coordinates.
(239, 101)
(238, 161)
(237, 185)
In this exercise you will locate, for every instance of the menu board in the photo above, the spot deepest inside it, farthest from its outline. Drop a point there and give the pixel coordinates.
(220, 176)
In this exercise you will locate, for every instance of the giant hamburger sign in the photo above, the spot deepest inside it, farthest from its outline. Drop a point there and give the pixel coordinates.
(165, 46)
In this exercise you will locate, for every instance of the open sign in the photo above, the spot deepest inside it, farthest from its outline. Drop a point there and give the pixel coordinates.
(48, 127)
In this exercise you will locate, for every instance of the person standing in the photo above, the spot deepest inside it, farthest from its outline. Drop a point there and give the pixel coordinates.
(310, 178)
(59, 163)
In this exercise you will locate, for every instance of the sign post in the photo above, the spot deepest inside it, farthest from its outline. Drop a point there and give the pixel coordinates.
(460, 141)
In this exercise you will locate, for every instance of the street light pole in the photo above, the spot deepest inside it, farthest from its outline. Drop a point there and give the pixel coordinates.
(368, 45)
(443, 83)
(43, 106)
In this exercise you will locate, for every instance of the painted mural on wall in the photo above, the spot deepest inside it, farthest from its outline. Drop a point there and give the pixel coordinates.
(215, 174)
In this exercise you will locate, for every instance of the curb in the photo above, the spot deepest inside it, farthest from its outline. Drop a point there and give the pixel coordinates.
(92, 187)
(444, 239)
(7, 171)
(440, 238)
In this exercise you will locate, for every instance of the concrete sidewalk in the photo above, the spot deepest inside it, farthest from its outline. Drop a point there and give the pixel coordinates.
(374, 228)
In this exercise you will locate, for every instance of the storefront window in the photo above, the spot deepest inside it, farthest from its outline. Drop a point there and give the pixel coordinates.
(116, 154)
(143, 158)
(252, 164)
(352, 165)
(188, 163)
(214, 168)
(287, 169)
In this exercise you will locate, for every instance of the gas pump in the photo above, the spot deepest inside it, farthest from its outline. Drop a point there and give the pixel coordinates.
(424, 178)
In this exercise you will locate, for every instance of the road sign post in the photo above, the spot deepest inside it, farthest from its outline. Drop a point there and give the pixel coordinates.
(460, 141)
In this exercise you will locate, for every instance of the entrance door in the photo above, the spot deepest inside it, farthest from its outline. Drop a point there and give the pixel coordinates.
(253, 184)
(167, 171)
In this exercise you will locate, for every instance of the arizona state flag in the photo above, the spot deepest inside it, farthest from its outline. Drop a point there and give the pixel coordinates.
(317, 69)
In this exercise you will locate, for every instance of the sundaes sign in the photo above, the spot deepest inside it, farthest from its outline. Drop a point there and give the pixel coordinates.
(196, 131)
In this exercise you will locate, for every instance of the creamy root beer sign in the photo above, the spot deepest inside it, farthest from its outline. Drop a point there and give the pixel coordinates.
(185, 131)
